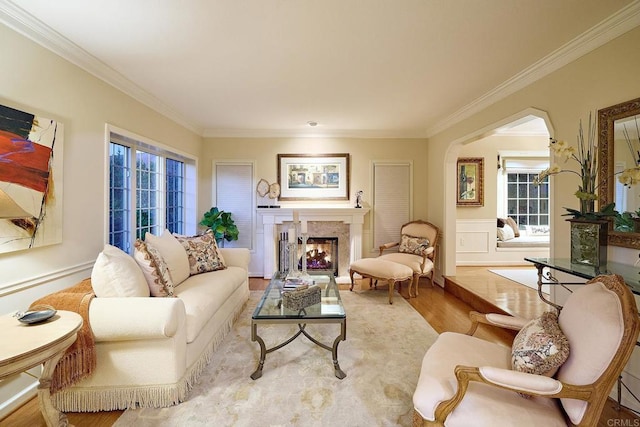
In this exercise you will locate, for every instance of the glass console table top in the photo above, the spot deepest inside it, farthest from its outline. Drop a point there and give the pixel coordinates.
(629, 273)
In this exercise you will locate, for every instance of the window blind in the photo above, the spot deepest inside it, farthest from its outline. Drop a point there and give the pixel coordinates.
(391, 201)
(234, 192)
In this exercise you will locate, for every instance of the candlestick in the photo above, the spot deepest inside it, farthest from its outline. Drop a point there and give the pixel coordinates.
(292, 235)
(296, 217)
(304, 237)
(303, 227)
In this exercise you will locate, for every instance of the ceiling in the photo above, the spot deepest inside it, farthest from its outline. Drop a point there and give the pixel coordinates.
(368, 68)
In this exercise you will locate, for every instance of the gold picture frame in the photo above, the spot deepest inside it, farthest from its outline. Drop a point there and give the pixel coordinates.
(470, 181)
(313, 176)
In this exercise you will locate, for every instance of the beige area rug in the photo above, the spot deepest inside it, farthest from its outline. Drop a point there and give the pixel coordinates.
(381, 356)
(524, 276)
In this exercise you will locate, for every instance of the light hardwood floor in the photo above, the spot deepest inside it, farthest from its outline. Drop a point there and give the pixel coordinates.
(443, 310)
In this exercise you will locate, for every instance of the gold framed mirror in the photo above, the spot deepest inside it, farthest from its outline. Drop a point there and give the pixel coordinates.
(616, 127)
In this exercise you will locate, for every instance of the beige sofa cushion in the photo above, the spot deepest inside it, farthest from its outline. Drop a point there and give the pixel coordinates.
(116, 274)
(173, 254)
(204, 294)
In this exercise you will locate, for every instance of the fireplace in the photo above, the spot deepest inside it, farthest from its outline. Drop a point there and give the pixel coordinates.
(321, 255)
(342, 221)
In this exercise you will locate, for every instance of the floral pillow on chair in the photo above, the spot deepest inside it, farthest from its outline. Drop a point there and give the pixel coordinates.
(413, 245)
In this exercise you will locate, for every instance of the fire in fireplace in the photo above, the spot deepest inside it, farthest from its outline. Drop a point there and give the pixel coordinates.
(321, 255)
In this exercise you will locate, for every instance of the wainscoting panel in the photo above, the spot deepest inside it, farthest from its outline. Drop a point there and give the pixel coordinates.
(476, 244)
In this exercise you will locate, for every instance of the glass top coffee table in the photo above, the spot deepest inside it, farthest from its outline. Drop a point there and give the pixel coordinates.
(271, 310)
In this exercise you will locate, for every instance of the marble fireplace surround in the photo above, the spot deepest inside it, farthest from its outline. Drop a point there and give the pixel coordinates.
(344, 222)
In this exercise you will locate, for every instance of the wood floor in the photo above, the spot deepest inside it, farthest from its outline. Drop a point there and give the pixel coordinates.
(471, 288)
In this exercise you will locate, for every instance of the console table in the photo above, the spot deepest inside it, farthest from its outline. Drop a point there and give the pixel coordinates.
(26, 346)
(629, 273)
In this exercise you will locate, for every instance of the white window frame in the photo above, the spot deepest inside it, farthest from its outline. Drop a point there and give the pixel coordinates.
(532, 165)
(138, 142)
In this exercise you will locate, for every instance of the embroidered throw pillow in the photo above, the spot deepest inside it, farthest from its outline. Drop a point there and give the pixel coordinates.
(413, 245)
(154, 269)
(203, 253)
(540, 347)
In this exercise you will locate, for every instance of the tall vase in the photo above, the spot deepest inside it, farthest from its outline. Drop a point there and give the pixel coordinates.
(589, 242)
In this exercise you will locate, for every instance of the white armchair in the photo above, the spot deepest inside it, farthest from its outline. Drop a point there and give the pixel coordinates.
(417, 249)
(466, 381)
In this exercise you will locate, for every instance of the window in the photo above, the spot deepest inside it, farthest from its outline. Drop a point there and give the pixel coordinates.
(151, 199)
(527, 203)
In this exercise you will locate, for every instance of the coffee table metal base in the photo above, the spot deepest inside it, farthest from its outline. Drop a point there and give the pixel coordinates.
(301, 331)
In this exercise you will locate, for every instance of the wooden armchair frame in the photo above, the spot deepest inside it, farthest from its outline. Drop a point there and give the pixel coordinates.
(595, 393)
(430, 253)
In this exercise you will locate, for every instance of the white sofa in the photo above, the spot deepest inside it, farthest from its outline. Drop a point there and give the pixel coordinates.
(150, 350)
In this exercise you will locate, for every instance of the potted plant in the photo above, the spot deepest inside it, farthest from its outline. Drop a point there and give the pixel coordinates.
(588, 227)
(221, 224)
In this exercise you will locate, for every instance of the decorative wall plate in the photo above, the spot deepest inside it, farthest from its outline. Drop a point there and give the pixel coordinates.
(274, 190)
(262, 188)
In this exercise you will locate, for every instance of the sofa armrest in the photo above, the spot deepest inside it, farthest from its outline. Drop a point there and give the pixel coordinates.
(127, 319)
(237, 257)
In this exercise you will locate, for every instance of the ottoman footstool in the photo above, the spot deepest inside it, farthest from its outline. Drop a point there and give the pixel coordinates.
(378, 269)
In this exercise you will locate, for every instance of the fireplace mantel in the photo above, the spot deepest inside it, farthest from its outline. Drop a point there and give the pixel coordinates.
(272, 217)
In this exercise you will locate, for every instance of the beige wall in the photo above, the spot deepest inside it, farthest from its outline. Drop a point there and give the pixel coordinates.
(35, 80)
(488, 149)
(362, 152)
(599, 79)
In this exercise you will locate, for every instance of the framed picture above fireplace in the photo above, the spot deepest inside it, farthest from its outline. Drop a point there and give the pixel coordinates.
(313, 176)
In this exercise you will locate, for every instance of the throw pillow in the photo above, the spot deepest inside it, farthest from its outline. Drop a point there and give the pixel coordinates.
(540, 347)
(202, 252)
(172, 253)
(154, 269)
(116, 274)
(413, 245)
(500, 222)
(510, 221)
(505, 233)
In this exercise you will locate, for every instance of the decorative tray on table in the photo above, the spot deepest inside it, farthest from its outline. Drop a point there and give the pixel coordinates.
(36, 314)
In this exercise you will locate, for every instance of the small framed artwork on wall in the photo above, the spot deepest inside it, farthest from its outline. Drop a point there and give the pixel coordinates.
(470, 181)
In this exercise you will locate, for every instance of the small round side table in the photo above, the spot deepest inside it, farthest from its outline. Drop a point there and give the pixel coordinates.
(26, 346)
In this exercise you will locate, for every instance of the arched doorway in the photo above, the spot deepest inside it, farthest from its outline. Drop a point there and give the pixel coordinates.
(518, 120)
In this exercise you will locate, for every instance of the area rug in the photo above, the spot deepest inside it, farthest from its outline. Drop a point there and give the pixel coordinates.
(525, 276)
(381, 356)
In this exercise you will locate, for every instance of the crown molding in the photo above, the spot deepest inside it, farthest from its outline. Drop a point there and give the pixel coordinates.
(19, 20)
(614, 26)
(313, 133)
(610, 28)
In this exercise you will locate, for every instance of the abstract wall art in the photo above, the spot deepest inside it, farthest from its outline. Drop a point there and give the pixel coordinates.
(30, 180)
